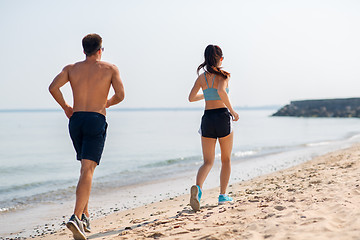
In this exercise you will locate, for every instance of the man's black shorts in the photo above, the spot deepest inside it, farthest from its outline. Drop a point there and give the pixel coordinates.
(88, 133)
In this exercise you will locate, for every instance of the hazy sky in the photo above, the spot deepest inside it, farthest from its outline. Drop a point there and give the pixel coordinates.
(276, 51)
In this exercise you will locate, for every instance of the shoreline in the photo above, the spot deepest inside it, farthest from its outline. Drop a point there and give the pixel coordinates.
(147, 211)
(318, 199)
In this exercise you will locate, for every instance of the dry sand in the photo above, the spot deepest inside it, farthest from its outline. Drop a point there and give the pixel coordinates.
(319, 199)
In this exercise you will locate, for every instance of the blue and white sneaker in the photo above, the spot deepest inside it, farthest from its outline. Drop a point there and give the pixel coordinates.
(224, 198)
(195, 197)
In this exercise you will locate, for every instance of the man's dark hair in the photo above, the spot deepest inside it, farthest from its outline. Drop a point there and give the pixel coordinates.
(91, 44)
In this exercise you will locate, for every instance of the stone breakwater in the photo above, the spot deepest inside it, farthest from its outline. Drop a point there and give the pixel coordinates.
(343, 107)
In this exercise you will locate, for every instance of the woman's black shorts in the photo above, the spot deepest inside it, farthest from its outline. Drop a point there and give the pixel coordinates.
(216, 123)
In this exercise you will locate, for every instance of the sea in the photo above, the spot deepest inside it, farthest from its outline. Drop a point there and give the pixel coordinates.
(146, 147)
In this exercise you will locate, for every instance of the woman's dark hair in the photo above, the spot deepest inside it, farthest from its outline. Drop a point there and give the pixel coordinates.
(212, 56)
(91, 43)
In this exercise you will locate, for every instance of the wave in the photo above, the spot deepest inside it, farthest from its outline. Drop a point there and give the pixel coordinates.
(20, 196)
(33, 185)
(169, 162)
(195, 160)
(316, 144)
(245, 153)
(6, 209)
(17, 203)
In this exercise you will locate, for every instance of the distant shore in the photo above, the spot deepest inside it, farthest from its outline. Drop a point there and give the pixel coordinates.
(318, 199)
(330, 108)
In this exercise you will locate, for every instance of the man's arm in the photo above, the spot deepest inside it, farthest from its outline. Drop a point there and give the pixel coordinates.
(60, 80)
(118, 87)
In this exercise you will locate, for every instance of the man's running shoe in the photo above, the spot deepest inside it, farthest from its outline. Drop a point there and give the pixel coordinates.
(86, 222)
(76, 227)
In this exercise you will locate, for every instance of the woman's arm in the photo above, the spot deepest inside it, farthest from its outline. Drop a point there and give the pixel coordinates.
(194, 95)
(225, 97)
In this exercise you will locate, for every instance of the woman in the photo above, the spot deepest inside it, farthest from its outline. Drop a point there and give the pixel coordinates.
(215, 123)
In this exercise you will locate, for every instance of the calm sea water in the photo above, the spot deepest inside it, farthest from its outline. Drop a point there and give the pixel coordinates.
(37, 160)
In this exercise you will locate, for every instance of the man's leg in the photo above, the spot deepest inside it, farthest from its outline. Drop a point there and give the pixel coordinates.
(86, 218)
(84, 186)
(86, 209)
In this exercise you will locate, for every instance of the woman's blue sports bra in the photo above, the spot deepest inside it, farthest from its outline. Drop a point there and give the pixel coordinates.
(211, 93)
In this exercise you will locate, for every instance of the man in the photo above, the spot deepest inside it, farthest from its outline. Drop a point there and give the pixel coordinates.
(90, 82)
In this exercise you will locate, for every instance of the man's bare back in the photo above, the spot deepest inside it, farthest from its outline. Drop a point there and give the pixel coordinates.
(90, 82)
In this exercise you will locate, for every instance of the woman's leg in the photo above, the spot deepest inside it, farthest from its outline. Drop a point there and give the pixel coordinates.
(208, 148)
(226, 144)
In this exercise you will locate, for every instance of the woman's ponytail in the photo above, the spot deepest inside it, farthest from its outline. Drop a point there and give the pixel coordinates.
(212, 55)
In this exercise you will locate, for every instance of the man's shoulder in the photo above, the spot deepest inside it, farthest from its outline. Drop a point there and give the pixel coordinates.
(111, 65)
(70, 66)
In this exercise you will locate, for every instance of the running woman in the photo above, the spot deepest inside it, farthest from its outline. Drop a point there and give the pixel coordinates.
(215, 123)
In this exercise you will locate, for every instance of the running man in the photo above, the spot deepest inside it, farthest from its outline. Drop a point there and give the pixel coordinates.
(90, 82)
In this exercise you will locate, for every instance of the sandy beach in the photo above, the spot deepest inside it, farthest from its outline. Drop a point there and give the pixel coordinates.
(319, 199)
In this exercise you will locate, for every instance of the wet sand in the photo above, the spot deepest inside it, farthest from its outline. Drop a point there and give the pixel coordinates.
(319, 199)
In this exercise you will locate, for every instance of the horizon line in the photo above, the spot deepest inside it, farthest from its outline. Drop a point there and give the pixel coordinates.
(264, 107)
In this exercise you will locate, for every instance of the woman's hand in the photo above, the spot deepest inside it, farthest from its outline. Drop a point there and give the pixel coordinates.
(235, 115)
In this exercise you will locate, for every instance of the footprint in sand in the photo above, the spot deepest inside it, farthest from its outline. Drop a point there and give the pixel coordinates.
(313, 220)
(279, 208)
(155, 235)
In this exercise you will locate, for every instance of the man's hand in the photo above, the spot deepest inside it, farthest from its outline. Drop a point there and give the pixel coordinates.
(68, 111)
